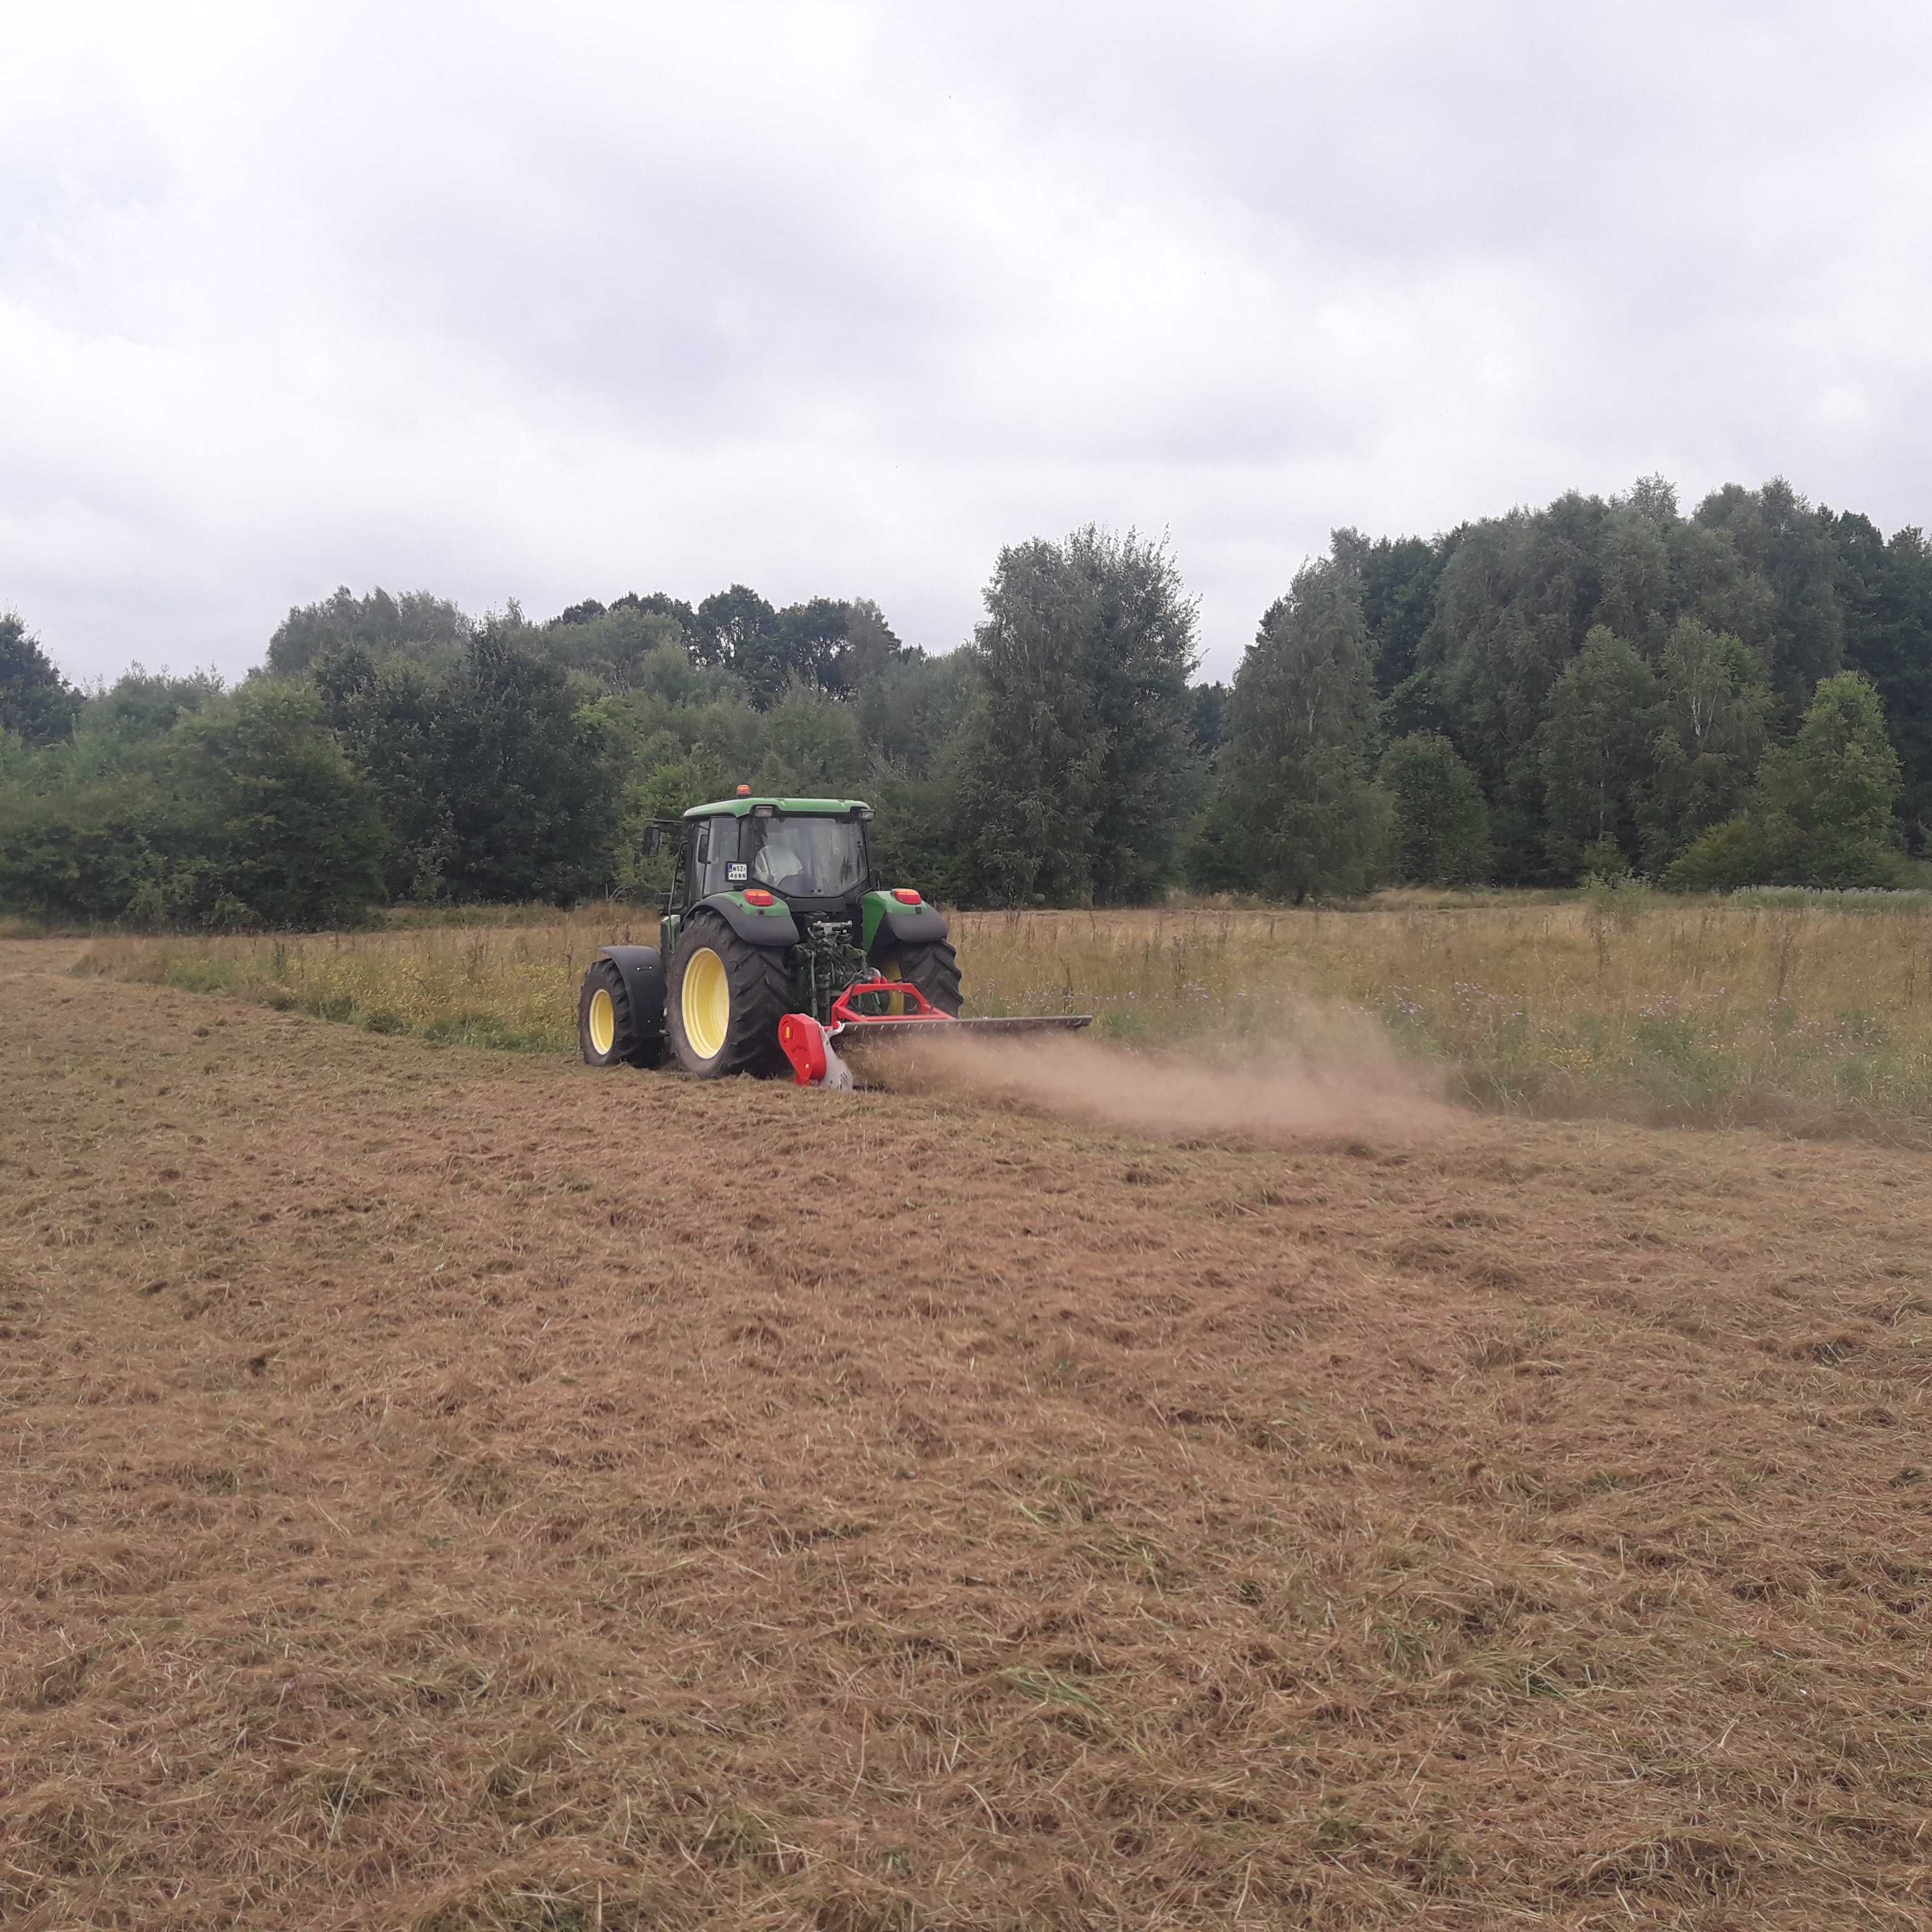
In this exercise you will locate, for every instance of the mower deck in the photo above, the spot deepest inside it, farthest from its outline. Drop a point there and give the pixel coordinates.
(808, 1044)
(1019, 1023)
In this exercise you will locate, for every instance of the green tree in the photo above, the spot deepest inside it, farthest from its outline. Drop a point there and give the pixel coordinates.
(813, 639)
(663, 790)
(824, 644)
(1594, 748)
(524, 778)
(1297, 812)
(1821, 812)
(611, 646)
(416, 624)
(294, 830)
(142, 703)
(1791, 546)
(1709, 736)
(390, 717)
(1513, 606)
(1076, 762)
(1208, 707)
(1713, 581)
(92, 847)
(1398, 581)
(657, 603)
(1887, 587)
(871, 645)
(736, 628)
(1728, 856)
(914, 840)
(246, 813)
(1636, 598)
(1826, 798)
(1441, 824)
(909, 707)
(36, 704)
(813, 748)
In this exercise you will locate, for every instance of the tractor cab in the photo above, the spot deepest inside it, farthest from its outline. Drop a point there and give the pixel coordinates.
(812, 853)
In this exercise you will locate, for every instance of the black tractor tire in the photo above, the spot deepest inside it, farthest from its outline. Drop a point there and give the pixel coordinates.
(931, 965)
(609, 1035)
(735, 1031)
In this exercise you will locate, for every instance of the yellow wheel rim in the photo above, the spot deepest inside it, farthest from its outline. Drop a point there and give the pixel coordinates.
(707, 1001)
(893, 970)
(603, 1020)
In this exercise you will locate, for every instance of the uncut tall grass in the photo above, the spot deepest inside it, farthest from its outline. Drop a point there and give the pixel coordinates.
(1811, 1012)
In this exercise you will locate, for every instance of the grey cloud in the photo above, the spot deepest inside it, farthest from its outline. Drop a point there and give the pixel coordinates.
(837, 299)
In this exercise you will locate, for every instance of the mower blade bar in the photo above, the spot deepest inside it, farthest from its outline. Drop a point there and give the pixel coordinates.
(864, 1030)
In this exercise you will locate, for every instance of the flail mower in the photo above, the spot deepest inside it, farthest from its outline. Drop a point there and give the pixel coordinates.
(776, 939)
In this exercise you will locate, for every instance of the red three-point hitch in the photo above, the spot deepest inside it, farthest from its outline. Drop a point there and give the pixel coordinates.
(917, 1005)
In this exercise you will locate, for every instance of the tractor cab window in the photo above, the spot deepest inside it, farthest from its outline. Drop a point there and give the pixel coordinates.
(807, 857)
(714, 847)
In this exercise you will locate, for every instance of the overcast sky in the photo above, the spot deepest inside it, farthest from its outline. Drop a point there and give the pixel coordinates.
(557, 302)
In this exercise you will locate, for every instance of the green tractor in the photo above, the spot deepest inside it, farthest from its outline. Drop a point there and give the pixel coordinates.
(776, 937)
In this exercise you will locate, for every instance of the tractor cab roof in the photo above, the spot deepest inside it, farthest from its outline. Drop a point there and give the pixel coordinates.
(793, 808)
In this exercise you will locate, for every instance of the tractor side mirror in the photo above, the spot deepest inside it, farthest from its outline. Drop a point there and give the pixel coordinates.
(653, 841)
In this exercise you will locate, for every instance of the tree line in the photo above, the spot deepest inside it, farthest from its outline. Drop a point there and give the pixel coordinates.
(1741, 694)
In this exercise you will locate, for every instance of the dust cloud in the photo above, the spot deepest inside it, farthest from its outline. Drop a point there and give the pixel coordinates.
(1328, 1074)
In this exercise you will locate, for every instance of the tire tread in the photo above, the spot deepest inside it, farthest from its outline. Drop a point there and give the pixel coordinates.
(761, 996)
(932, 967)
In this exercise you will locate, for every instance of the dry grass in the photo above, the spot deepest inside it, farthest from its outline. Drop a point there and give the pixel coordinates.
(451, 1491)
(510, 984)
(1812, 1014)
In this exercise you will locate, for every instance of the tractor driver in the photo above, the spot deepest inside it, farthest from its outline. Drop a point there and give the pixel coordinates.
(779, 863)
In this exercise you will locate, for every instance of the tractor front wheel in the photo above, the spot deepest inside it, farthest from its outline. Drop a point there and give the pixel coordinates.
(932, 967)
(725, 999)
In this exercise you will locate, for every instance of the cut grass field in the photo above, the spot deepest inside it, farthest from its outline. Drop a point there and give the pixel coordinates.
(1812, 1013)
(448, 1489)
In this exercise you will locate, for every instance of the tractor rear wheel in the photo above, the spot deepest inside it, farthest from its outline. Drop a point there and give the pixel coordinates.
(725, 1000)
(932, 967)
(607, 1032)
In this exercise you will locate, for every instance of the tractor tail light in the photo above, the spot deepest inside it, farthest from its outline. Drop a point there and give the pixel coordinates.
(905, 896)
(757, 896)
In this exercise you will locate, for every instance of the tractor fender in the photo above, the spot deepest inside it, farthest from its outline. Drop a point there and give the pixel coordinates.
(757, 925)
(644, 975)
(886, 918)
